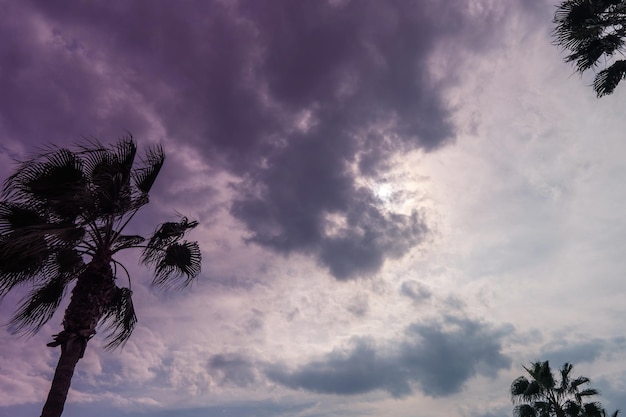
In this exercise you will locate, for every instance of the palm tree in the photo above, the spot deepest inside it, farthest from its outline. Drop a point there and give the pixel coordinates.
(544, 396)
(593, 31)
(62, 217)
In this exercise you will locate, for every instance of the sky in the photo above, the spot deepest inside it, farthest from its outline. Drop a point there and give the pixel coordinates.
(401, 203)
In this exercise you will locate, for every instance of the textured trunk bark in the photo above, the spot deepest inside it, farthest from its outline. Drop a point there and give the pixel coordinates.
(71, 352)
(92, 294)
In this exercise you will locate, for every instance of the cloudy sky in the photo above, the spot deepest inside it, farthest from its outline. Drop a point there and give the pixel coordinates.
(401, 203)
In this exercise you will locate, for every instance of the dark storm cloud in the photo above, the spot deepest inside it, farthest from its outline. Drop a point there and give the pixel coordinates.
(291, 215)
(360, 71)
(296, 98)
(439, 357)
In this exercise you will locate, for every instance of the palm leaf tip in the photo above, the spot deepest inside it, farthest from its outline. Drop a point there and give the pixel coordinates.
(589, 392)
(119, 318)
(125, 151)
(178, 265)
(172, 231)
(146, 176)
(579, 381)
(38, 307)
(607, 80)
(110, 170)
(15, 216)
(20, 261)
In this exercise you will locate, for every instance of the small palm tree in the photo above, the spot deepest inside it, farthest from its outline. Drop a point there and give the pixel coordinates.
(544, 396)
(62, 218)
(593, 32)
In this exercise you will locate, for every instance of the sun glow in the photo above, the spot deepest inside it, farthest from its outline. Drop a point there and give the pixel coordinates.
(383, 191)
(393, 195)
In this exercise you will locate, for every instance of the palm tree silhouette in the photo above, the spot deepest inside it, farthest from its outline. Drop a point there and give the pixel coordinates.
(593, 32)
(544, 396)
(62, 219)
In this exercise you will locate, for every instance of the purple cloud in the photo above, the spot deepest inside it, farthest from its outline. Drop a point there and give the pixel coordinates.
(297, 99)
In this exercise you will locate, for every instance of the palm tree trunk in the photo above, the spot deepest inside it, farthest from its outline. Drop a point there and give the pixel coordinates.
(90, 297)
(71, 352)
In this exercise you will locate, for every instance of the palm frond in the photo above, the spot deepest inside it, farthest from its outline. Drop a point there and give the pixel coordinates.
(166, 234)
(565, 378)
(589, 392)
(94, 154)
(56, 235)
(119, 318)
(90, 150)
(576, 21)
(607, 80)
(178, 265)
(524, 410)
(592, 32)
(572, 408)
(20, 260)
(593, 409)
(519, 386)
(15, 216)
(109, 171)
(53, 181)
(42, 238)
(578, 382)
(533, 390)
(124, 152)
(145, 176)
(588, 53)
(543, 375)
(39, 306)
(126, 241)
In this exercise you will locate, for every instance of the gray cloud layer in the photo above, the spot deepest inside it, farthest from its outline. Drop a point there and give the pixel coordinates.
(295, 98)
(580, 351)
(439, 357)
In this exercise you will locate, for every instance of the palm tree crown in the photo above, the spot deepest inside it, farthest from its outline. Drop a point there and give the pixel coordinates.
(62, 219)
(543, 395)
(593, 31)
